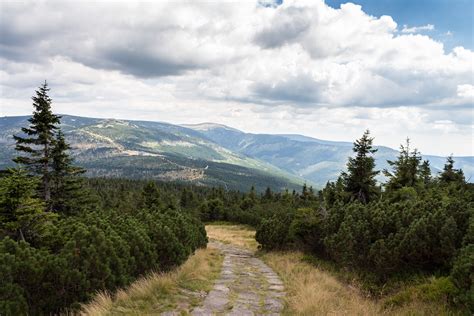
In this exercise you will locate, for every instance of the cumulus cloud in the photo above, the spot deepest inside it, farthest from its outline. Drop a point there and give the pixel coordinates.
(236, 59)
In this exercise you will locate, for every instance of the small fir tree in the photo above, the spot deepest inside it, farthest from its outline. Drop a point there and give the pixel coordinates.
(425, 172)
(268, 195)
(151, 196)
(450, 174)
(405, 168)
(359, 180)
(22, 214)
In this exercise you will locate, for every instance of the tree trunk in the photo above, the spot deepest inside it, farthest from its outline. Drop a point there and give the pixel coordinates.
(46, 187)
(21, 234)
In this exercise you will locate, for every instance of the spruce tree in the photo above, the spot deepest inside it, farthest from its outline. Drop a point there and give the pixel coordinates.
(425, 172)
(38, 142)
(22, 214)
(268, 195)
(151, 196)
(68, 192)
(450, 174)
(406, 169)
(252, 194)
(304, 192)
(359, 180)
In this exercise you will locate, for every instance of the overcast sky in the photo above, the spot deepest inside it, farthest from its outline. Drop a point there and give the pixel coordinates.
(327, 70)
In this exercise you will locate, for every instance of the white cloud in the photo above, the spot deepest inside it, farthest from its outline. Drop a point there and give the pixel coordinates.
(466, 91)
(253, 65)
(417, 29)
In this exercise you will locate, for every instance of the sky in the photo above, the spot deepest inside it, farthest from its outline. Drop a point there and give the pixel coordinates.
(329, 69)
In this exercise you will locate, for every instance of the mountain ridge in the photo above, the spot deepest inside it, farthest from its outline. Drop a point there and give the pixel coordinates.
(314, 159)
(145, 149)
(185, 150)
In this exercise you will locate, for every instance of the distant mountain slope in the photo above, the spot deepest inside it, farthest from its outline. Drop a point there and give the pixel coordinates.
(207, 154)
(313, 159)
(140, 149)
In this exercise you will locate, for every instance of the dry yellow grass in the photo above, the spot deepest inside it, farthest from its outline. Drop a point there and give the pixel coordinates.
(238, 235)
(312, 291)
(158, 292)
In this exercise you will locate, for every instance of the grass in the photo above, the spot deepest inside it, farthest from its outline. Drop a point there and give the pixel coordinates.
(314, 290)
(239, 235)
(311, 291)
(178, 290)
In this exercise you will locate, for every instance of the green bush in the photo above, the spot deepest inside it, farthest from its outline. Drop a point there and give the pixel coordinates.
(100, 249)
(273, 232)
(439, 289)
(462, 275)
(306, 229)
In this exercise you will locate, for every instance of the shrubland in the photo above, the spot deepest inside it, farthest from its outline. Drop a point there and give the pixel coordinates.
(411, 235)
(63, 238)
(414, 227)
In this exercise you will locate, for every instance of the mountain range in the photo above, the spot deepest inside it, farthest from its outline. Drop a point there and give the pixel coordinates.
(204, 154)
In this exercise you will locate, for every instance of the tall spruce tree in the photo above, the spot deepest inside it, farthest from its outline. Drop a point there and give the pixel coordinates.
(38, 142)
(359, 180)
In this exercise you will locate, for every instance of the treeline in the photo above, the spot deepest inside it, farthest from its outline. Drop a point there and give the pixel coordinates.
(63, 238)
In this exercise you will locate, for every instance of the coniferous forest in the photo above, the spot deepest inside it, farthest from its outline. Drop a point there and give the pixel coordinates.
(64, 237)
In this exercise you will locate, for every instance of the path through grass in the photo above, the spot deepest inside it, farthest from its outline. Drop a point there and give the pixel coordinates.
(314, 291)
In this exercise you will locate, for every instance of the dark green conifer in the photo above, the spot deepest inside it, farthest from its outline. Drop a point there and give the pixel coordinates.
(360, 177)
(268, 195)
(450, 174)
(37, 144)
(68, 192)
(405, 168)
(425, 172)
(22, 214)
(151, 195)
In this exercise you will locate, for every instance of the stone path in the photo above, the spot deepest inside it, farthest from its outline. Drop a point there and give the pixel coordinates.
(246, 286)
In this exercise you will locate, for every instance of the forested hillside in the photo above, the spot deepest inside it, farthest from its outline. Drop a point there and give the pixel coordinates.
(153, 150)
(316, 160)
